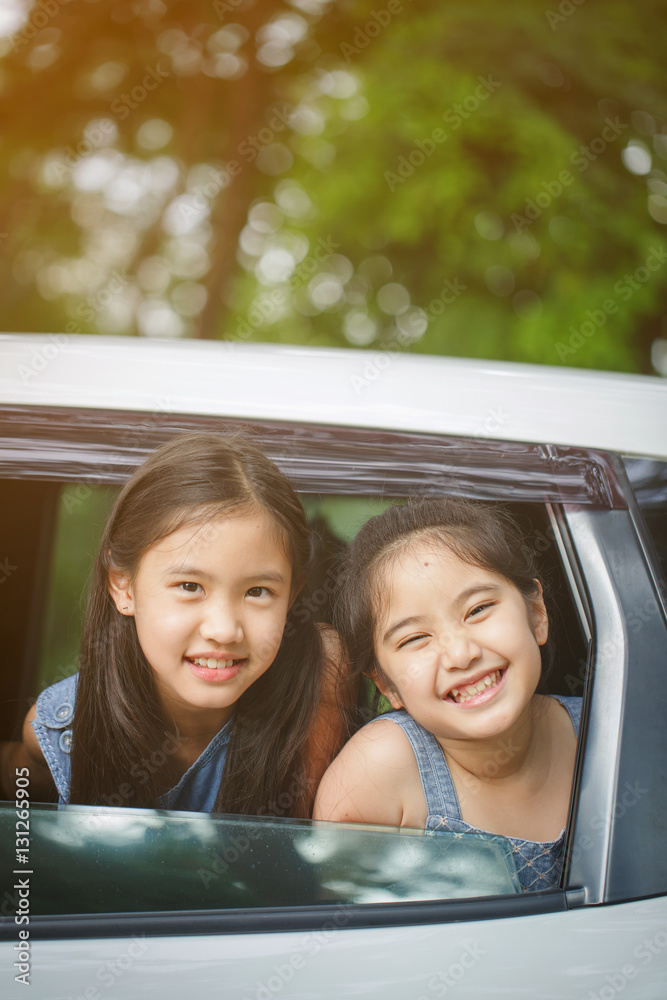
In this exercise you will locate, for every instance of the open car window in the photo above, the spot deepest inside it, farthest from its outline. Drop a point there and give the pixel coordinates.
(199, 863)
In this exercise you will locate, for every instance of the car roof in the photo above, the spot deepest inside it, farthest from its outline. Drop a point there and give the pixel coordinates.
(342, 387)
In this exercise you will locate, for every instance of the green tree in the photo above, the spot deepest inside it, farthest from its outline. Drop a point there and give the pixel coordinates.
(459, 179)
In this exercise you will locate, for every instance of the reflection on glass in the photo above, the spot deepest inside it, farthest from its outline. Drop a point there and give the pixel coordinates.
(89, 859)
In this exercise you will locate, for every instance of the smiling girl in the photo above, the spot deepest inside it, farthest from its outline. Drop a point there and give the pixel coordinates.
(443, 610)
(197, 688)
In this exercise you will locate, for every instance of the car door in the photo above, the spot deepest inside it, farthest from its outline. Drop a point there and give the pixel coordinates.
(132, 903)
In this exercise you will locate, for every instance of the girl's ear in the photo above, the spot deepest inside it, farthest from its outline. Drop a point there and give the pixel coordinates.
(120, 589)
(539, 616)
(385, 688)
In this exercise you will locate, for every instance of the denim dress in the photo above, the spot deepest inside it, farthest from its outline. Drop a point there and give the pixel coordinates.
(196, 791)
(538, 863)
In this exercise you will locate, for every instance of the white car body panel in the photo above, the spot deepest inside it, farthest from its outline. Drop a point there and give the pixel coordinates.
(406, 392)
(520, 957)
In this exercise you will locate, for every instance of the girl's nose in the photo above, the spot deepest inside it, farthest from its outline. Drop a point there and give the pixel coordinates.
(221, 624)
(458, 650)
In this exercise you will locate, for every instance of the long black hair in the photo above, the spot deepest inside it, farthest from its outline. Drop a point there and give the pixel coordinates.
(119, 724)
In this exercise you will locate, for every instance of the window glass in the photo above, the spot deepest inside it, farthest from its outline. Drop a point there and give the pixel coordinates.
(101, 860)
(649, 483)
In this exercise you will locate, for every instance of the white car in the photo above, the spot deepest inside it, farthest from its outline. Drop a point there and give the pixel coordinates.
(137, 903)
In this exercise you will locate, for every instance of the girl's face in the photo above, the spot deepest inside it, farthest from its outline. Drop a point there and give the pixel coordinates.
(458, 643)
(209, 603)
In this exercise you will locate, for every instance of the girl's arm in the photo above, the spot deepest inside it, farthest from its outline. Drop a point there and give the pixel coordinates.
(370, 779)
(17, 755)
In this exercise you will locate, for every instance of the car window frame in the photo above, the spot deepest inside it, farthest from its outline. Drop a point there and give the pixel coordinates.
(121, 440)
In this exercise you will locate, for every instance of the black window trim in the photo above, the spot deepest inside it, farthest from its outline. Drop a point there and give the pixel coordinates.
(289, 919)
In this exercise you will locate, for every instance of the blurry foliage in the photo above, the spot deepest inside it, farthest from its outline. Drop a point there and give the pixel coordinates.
(82, 514)
(466, 179)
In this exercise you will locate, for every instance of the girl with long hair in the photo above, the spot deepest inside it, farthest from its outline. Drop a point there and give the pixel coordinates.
(198, 688)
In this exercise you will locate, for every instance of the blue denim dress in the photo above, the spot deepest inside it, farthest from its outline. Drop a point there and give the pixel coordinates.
(196, 791)
(538, 863)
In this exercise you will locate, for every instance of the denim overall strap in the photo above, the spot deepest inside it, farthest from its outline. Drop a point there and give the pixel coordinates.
(436, 780)
(197, 789)
(53, 729)
(573, 706)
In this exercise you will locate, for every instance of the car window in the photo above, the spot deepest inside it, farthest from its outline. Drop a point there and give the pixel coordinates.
(325, 862)
(141, 860)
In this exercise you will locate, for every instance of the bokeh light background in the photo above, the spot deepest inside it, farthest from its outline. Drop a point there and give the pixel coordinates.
(470, 179)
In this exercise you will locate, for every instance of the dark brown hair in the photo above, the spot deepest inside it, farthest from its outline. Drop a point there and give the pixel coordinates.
(118, 723)
(478, 532)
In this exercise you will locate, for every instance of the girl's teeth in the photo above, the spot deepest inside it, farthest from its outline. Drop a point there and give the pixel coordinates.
(465, 694)
(213, 664)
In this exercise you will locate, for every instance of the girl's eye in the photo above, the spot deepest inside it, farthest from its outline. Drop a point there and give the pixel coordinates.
(189, 587)
(258, 592)
(412, 638)
(479, 608)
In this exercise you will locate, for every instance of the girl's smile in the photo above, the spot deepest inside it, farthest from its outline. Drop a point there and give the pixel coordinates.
(457, 643)
(478, 690)
(210, 602)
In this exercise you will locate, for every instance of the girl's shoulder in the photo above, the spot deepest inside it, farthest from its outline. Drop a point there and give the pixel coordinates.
(370, 779)
(55, 705)
(380, 749)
